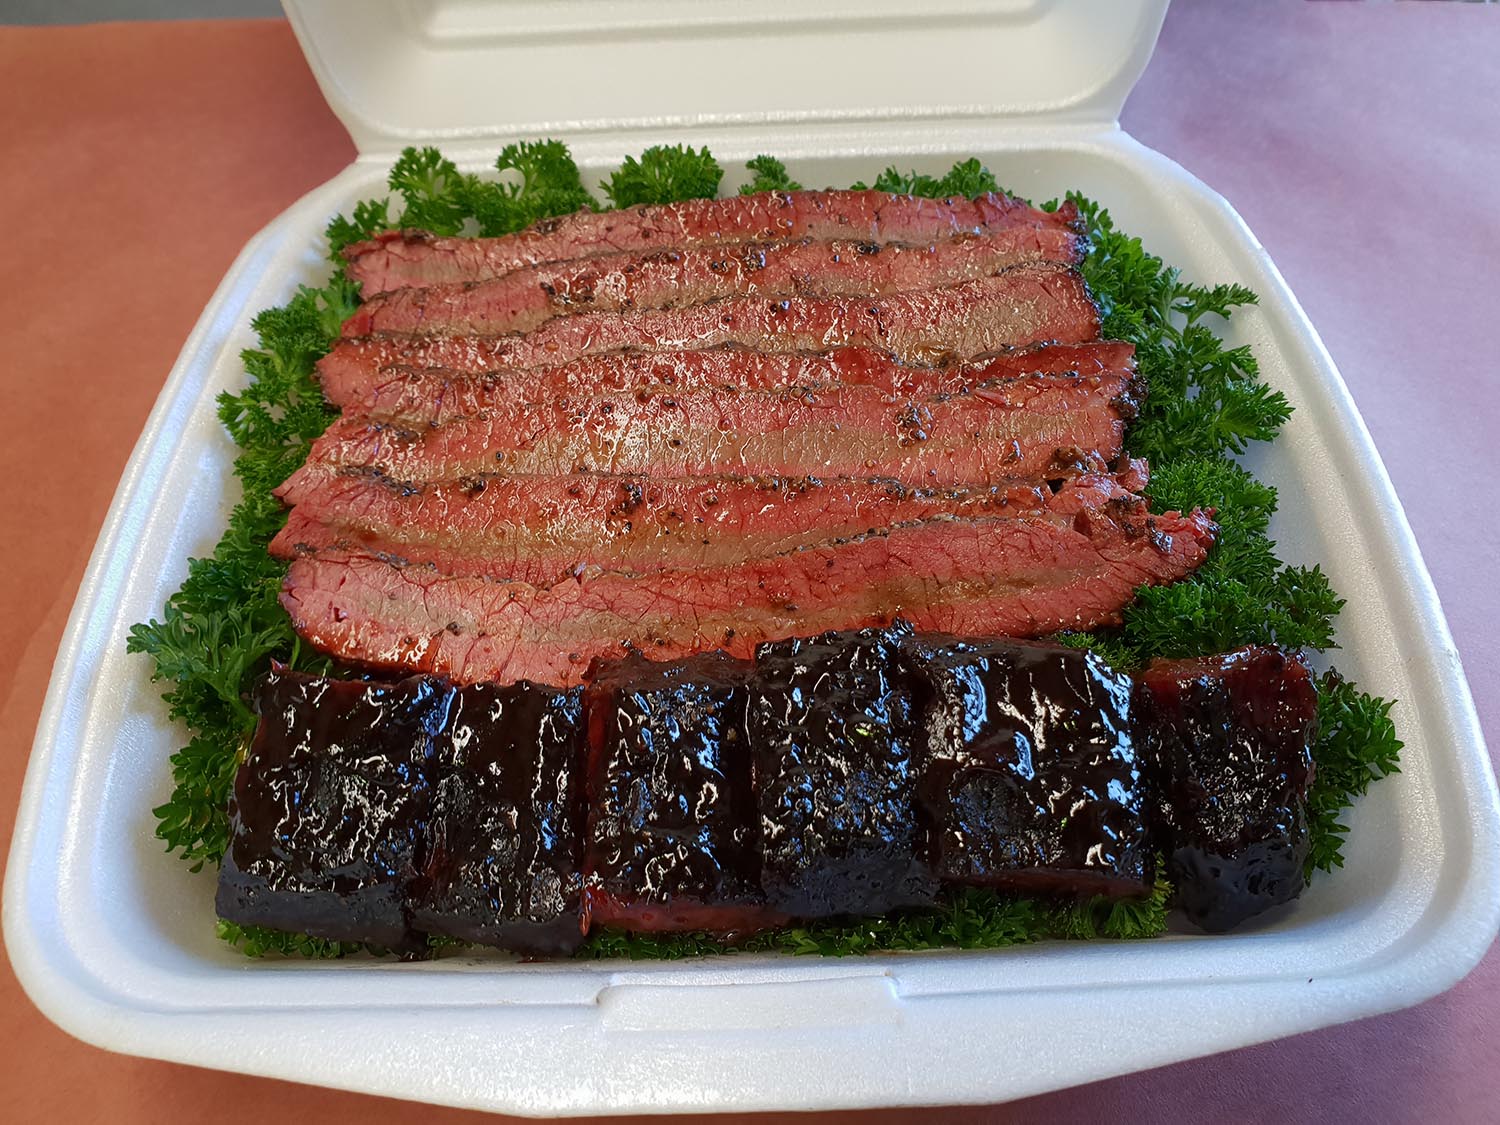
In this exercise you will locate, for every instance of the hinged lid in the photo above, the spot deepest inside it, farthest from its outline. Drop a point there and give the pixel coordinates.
(399, 71)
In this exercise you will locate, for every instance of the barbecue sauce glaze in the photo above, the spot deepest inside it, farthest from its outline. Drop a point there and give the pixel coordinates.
(673, 840)
(846, 774)
(502, 850)
(832, 728)
(329, 810)
(1030, 781)
(1231, 739)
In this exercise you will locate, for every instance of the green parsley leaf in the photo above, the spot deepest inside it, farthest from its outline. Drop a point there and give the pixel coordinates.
(967, 179)
(371, 216)
(436, 193)
(257, 941)
(967, 919)
(770, 175)
(1356, 746)
(549, 184)
(664, 174)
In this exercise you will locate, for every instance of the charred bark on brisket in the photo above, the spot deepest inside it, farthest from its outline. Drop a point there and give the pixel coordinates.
(847, 774)
(1030, 781)
(832, 726)
(1231, 737)
(507, 815)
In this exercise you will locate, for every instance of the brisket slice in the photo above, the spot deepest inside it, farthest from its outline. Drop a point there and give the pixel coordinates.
(1073, 567)
(1023, 306)
(546, 529)
(522, 300)
(1035, 427)
(400, 259)
(433, 395)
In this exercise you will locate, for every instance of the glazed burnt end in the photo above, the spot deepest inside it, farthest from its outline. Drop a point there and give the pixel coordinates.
(507, 821)
(1029, 780)
(673, 837)
(833, 735)
(328, 812)
(1230, 737)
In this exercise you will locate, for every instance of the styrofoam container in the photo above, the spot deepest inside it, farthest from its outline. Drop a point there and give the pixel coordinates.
(113, 939)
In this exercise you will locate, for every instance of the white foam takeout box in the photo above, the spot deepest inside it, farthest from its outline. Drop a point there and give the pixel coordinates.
(114, 939)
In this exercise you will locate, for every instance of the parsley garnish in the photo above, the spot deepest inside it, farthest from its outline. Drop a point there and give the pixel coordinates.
(1357, 745)
(770, 175)
(1206, 405)
(967, 178)
(664, 174)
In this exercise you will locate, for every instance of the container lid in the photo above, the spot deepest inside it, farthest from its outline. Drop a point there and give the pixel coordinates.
(403, 71)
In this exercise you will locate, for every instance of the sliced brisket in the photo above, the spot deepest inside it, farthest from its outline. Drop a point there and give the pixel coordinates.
(430, 396)
(1029, 428)
(546, 529)
(1074, 566)
(400, 259)
(522, 300)
(1023, 306)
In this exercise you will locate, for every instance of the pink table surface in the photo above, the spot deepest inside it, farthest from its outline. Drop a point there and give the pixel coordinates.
(1360, 141)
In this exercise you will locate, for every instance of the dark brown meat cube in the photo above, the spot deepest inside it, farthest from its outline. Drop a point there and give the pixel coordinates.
(673, 838)
(1029, 779)
(329, 809)
(1232, 738)
(831, 729)
(507, 820)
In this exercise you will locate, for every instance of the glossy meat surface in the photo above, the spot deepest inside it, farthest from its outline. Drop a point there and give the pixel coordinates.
(1029, 778)
(524, 299)
(673, 838)
(543, 530)
(1231, 737)
(428, 396)
(506, 826)
(400, 259)
(1032, 428)
(833, 737)
(328, 813)
(1075, 565)
(852, 773)
(1023, 306)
